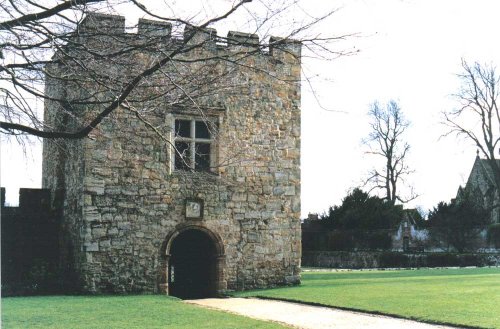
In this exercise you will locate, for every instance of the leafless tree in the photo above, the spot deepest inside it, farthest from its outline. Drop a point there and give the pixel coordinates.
(36, 37)
(477, 117)
(386, 141)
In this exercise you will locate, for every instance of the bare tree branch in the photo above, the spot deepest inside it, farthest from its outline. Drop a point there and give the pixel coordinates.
(38, 37)
(49, 12)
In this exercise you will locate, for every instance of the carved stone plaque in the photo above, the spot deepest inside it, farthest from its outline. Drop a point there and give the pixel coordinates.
(194, 209)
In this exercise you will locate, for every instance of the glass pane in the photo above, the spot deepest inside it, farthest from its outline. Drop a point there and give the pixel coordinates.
(202, 130)
(182, 160)
(183, 128)
(202, 157)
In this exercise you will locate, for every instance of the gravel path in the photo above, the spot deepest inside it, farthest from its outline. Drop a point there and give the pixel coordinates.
(305, 316)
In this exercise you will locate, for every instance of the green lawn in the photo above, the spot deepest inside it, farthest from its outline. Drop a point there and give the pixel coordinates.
(148, 311)
(459, 296)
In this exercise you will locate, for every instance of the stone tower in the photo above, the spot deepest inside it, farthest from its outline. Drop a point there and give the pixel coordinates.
(192, 191)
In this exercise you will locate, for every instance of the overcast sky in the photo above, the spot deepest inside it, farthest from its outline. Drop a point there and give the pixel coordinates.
(409, 51)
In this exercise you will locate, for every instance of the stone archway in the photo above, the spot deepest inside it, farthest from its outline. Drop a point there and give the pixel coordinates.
(193, 263)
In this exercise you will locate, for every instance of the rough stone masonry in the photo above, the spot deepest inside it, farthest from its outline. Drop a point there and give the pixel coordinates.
(132, 188)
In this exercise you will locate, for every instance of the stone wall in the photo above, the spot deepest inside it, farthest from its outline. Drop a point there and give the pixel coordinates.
(381, 259)
(123, 199)
(315, 237)
(30, 245)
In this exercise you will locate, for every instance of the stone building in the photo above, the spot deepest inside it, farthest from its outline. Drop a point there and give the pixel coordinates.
(170, 194)
(408, 236)
(482, 182)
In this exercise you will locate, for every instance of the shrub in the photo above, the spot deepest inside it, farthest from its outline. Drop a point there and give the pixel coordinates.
(360, 211)
(380, 240)
(340, 241)
(459, 222)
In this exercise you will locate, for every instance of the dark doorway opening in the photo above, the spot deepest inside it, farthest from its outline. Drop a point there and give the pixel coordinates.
(406, 243)
(192, 266)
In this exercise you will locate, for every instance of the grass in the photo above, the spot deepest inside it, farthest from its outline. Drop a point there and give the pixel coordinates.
(466, 297)
(469, 297)
(147, 311)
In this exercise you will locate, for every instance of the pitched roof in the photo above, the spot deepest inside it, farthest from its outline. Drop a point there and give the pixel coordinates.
(484, 169)
(412, 215)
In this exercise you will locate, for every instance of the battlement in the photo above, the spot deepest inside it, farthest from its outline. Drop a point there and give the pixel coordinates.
(30, 199)
(114, 25)
(148, 27)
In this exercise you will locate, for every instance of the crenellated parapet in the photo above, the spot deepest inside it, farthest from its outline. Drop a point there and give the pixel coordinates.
(153, 28)
(114, 26)
(102, 23)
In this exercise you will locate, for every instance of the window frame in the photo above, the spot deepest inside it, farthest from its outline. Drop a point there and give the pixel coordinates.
(192, 140)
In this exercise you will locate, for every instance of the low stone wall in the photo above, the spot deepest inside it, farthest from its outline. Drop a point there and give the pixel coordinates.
(29, 245)
(389, 259)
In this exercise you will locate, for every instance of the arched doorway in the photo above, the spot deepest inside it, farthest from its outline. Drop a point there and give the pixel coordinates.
(193, 265)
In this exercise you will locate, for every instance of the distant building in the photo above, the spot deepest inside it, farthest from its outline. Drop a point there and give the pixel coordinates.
(482, 182)
(408, 236)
